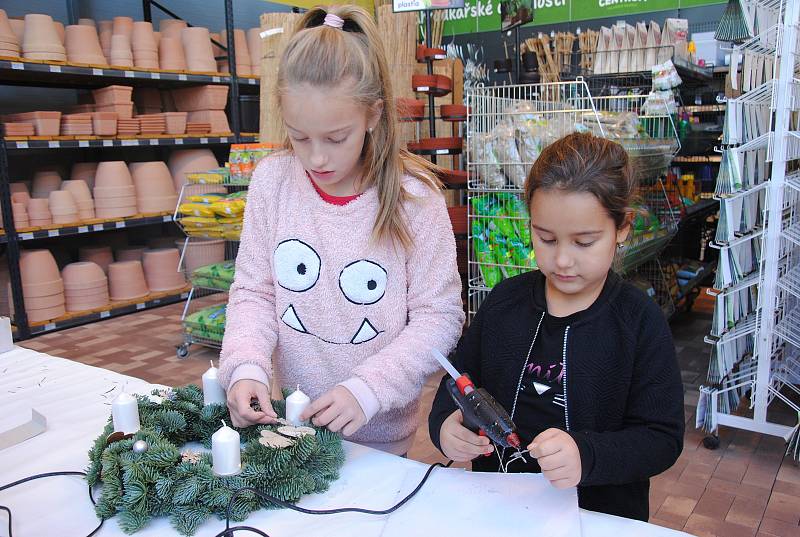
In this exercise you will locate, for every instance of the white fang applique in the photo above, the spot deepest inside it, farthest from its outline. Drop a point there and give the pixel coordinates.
(365, 333)
(540, 388)
(291, 320)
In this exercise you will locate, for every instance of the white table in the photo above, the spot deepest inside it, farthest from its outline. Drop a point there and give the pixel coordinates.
(76, 400)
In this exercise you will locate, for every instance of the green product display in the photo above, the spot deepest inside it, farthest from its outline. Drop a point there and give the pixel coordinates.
(501, 237)
(221, 272)
(208, 323)
(167, 480)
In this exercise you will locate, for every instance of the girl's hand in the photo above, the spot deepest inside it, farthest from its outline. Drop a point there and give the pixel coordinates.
(337, 409)
(558, 456)
(459, 443)
(239, 397)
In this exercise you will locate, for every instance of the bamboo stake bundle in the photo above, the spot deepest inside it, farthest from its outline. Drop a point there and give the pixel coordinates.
(588, 47)
(399, 33)
(565, 41)
(283, 25)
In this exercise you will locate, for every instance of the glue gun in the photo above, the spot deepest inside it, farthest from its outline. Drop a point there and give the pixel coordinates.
(482, 413)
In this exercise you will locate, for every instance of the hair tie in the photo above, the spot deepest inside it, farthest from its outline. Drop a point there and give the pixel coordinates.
(334, 21)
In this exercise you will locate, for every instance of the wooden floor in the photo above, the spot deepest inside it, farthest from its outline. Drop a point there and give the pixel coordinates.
(745, 488)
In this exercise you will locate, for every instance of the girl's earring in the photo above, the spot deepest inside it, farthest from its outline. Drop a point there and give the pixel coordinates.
(369, 130)
(620, 245)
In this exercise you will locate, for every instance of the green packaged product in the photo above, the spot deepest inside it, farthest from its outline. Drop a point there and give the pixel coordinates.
(208, 322)
(491, 273)
(224, 271)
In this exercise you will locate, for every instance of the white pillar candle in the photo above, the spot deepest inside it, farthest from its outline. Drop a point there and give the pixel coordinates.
(125, 413)
(212, 389)
(226, 451)
(296, 403)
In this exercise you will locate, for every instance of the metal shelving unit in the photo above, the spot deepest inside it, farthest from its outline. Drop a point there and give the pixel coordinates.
(21, 73)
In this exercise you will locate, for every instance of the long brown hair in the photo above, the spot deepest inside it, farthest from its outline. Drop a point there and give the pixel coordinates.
(325, 57)
(586, 163)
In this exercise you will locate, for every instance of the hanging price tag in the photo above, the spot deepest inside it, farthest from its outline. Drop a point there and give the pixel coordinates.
(140, 306)
(98, 227)
(215, 79)
(178, 141)
(155, 76)
(130, 142)
(203, 140)
(26, 236)
(108, 143)
(182, 77)
(120, 224)
(22, 145)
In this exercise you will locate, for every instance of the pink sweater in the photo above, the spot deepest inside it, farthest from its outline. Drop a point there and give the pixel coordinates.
(314, 298)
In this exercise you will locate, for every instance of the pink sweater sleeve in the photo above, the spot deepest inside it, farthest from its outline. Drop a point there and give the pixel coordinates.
(251, 330)
(395, 375)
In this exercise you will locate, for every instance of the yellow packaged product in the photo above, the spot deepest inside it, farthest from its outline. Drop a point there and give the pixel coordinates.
(232, 235)
(230, 219)
(199, 222)
(196, 209)
(229, 207)
(209, 232)
(205, 198)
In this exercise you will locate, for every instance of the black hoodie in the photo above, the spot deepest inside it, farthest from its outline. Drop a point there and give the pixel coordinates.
(623, 395)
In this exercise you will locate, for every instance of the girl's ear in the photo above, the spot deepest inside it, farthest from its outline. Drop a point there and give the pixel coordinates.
(375, 113)
(624, 230)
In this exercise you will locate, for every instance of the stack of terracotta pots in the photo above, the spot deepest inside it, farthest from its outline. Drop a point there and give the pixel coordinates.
(9, 44)
(20, 213)
(45, 123)
(101, 255)
(76, 124)
(114, 193)
(39, 212)
(83, 45)
(185, 161)
(161, 269)
(105, 29)
(126, 281)
(150, 124)
(83, 197)
(41, 40)
(84, 171)
(155, 192)
(44, 182)
(243, 63)
(145, 48)
(205, 104)
(147, 101)
(176, 122)
(63, 208)
(254, 45)
(104, 123)
(197, 48)
(170, 54)
(121, 52)
(171, 28)
(18, 27)
(114, 99)
(42, 286)
(85, 286)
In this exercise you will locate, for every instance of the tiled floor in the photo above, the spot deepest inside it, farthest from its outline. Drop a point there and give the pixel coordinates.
(745, 488)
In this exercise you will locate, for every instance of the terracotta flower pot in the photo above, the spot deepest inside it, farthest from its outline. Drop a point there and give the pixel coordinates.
(121, 53)
(130, 253)
(201, 252)
(19, 210)
(18, 187)
(171, 28)
(86, 303)
(24, 197)
(44, 182)
(142, 36)
(38, 267)
(156, 204)
(84, 171)
(79, 190)
(126, 281)
(48, 314)
(101, 255)
(176, 122)
(113, 173)
(112, 95)
(217, 119)
(123, 26)
(44, 302)
(82, 273)
(115, 203)
(209, 97)
(83, 45)
(102, 194)
(185, 161)
(255, 48)
(41, 35)
(39, 208)
(87, 22)
(105, 33)
(62, 202)
(170, 54)
(115, 212)
(8, 39)
(59, 31)
(152, 179)
(197, 48)
(161, 269)
(18, 27)
(243, 62)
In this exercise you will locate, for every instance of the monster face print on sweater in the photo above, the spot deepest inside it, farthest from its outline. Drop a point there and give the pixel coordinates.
(362, 282)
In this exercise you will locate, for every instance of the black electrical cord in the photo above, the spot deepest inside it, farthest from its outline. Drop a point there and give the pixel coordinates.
(228, 531)
(41, 476)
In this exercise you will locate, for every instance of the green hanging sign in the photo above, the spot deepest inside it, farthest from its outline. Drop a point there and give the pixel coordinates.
(484, 15)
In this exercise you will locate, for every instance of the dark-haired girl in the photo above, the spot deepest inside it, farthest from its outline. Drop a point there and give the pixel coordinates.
(583, 361)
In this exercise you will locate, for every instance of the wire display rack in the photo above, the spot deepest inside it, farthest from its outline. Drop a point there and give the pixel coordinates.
(509, 126)
(208, 260)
